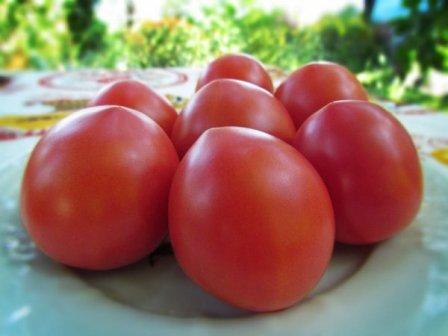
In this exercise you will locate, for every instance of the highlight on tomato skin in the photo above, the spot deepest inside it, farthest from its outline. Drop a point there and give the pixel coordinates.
(138, 96)
(370, 166)
(250, 220)
(316, 84)
(230, 102)
(95, 190)
(236, 66)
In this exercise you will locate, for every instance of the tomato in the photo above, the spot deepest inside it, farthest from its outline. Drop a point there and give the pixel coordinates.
(95, 189)
(138, 96)
(230, 102)
(315, 85)
(250, 220)
(370, 166)
(237, 66)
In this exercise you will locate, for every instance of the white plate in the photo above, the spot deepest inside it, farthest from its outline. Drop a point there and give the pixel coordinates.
(399, 287)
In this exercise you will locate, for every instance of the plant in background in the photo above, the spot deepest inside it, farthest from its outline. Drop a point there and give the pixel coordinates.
(219, 32)
(87, 33)
(346, 38)
(424, 36)
(33, 34)
(169, 42)
(48, 34)
(242, 26)
(270, 37)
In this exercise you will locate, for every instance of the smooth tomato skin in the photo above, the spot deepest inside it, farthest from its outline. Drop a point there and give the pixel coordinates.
(236, 66)
(95, 189)
(138, 96)
(250, 220)
(370, 166)
(230, 102)
(316, 84)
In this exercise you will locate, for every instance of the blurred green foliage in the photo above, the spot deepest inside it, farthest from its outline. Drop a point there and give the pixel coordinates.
(347, 39)
(182, 39)
(424, 37)
(268, 36)
(33, 34)
(45, 34)
(171, 42)
(87, 33)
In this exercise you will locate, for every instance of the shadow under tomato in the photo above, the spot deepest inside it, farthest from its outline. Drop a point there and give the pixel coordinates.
(158, 285)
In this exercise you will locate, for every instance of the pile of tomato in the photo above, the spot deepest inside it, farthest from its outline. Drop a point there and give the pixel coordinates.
(253, 186)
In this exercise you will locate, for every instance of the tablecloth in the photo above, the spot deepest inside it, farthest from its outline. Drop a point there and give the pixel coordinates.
(30, 102)
(33, 101)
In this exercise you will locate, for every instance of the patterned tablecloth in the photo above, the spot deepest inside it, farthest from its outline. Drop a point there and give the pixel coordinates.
(414, 262)
(30, 102)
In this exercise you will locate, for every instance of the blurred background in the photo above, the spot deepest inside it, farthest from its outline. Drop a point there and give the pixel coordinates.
(397, 48)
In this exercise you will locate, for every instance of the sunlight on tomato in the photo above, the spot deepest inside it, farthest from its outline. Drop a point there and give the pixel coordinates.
(250, 219)
(370, 166)
(315, 85)
(138, 96)
(95, 189)
(229, 102)
(237, 66)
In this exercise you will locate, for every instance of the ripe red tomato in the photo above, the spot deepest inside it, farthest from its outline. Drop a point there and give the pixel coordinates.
(370, 166)
(237, 66)
(230, 102)
(250, 220)
(95, 190)
(140, 97)
(315, 85)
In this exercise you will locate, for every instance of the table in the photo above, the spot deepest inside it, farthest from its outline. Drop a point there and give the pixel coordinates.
(33, 101)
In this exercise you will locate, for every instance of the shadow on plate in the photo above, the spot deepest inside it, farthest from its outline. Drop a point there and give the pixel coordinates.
(159, 286)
